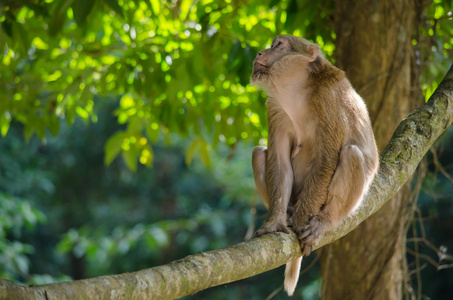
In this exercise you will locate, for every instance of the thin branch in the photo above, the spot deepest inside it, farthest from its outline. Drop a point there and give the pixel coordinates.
(425, 257)
(278, 290)
(439, 251)
(417, 257)
(439, 166)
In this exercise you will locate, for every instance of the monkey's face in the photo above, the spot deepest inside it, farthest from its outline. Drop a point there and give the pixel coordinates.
(265, 59)
(288, 57)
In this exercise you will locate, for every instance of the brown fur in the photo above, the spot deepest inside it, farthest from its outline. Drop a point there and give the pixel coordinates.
(321, 154)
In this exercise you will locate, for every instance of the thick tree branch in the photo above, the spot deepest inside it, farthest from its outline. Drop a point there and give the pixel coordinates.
(411, 140)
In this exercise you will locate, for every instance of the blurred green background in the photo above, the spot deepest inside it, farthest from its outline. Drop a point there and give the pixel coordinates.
(127, 129)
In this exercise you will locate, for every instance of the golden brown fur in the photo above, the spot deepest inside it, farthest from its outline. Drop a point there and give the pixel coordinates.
(321, 154)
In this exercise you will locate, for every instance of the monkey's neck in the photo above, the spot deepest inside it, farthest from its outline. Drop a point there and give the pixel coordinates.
(295, 105)
(282, 89)
(292, 101)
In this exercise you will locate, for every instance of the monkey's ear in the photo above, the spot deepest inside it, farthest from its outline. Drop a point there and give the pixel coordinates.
(313, 51)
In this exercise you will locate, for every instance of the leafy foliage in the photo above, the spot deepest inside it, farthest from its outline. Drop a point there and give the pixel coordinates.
(18, 216)
(179, 67)
(15, 216)
(434, 45)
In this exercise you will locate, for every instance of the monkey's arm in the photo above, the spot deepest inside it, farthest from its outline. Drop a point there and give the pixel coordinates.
(309, 220)
(344, 193)
(278, 175)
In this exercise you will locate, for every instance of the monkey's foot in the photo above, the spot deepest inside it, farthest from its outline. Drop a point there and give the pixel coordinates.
(306, 248)
(272, 226)
(310, 233)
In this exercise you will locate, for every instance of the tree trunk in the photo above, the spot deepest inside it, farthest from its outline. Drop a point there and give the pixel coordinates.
(374, 47)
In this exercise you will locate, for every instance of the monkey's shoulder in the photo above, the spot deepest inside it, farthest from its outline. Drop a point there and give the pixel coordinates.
(327, 74)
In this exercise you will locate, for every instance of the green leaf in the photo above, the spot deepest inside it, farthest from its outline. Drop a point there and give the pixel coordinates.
(191, 151)
(54, 125)
(147, 156)
(204, 154)
(29, 216)
(21, 263)
(58, 15)
(5, 120)
(115, 6)
(153, 132)
(130, 157)
(21, 36)
(154, 5)
(113, 147)
(233, 57)
(82, 9)
(200, 145)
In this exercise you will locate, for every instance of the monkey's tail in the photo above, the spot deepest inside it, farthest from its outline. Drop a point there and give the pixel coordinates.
(292, 271)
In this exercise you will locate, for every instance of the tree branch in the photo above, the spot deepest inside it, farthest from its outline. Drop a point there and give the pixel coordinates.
(411, 140)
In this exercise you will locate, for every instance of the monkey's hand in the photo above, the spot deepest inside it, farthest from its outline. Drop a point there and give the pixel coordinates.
(273, 225)
(310, 233)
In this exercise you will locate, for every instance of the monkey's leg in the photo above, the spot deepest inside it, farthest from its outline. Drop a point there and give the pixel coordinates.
(278, 179)
(344, 194)
(259, 156)
(278, 184)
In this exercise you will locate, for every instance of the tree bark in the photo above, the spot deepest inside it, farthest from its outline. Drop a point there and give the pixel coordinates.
(374, 47)
(411, 140)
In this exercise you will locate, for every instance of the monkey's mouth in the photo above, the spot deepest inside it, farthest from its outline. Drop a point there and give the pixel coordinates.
(259, 66)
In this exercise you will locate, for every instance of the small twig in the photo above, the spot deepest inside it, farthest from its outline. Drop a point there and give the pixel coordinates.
(442, 255)
(275, 292)
(412, 273)
(425, 257)
(417, 260)
(420, 222)
(441, 267)
(439, 166)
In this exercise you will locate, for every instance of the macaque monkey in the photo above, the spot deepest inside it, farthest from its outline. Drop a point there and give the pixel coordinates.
(321, 155)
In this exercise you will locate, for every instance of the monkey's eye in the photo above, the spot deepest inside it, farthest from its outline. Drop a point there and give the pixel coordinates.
(277, 45)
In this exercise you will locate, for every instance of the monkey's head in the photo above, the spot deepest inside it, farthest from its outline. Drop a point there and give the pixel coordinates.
(287, 55)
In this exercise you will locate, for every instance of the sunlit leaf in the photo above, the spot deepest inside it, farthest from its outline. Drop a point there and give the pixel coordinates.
(39, 43)
(201, 147)
(153, 132)
(130, 158)
(176, 67)
(147, 155)
(113, 147)
(54, 124)
(82, 112)
(204, 154)
(5, 120)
